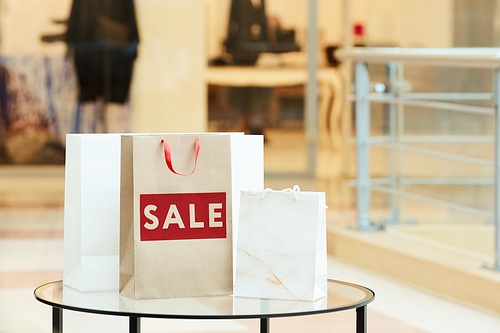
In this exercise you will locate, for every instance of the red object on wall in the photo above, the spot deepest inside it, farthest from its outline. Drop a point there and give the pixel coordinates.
(359, 29)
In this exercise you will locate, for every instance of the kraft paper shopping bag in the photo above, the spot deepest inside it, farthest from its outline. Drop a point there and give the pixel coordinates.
(177, 211)
(281, 249)
(92, 212)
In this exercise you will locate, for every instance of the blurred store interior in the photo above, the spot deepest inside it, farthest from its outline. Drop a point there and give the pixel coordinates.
(152, 66)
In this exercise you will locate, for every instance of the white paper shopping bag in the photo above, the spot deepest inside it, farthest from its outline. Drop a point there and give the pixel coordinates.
(178, 206)
(92, 212)
(281, 249)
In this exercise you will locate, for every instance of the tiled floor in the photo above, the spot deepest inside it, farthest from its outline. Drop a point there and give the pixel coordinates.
(31, 250)
(31, 254)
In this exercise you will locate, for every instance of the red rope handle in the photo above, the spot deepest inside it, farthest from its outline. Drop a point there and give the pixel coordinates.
(168, 157)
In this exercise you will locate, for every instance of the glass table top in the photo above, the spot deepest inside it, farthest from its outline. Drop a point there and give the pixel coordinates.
(341, 296)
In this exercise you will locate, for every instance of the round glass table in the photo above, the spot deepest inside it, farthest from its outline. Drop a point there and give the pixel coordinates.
(341, 296)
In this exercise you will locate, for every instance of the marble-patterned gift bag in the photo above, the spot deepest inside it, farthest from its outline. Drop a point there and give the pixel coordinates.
(281, 245)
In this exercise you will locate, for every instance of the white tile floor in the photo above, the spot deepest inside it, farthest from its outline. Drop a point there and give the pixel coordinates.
(34, 255)
(428, 312)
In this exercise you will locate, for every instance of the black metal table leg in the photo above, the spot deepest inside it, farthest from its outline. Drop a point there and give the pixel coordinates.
(57, 320)
(134, 325)
(361, 320)
(264, 325)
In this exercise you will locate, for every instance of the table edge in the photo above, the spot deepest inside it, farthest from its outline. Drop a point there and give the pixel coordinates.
(362, 303)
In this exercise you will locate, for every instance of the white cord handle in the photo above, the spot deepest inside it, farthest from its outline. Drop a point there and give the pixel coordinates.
(295, 190)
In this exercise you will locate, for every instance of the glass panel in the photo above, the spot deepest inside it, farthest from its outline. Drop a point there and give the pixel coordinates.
(258, 72)
(97, 66)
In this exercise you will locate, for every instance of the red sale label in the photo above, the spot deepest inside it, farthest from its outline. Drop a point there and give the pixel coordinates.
(183, 216)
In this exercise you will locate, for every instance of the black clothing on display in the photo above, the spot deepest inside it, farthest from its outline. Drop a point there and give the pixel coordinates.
(249, 33)
(103, 36)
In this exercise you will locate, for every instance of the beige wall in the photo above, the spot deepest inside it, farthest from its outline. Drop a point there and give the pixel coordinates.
(424, 23)
(409, 23)
(168, 92)
(23, 22)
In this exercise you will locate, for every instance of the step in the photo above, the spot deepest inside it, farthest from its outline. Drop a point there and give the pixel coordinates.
(453, 272)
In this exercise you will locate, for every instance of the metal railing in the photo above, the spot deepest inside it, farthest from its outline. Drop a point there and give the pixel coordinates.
(395, 58)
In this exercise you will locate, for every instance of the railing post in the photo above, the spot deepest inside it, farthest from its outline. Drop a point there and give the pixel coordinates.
(311, 98)
(362, 109)
(393, 110)
(496, 218)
